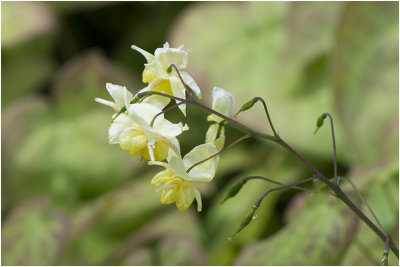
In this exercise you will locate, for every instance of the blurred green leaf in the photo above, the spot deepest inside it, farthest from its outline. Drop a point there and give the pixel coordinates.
(319, 236)
(274, 50)
(86, 76)
(178, 250)
(139, 257)
(222, 222)
(24, 20)
(33, 234)
(365, 79)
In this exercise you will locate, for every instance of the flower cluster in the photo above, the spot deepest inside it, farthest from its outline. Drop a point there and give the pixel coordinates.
(140, 127)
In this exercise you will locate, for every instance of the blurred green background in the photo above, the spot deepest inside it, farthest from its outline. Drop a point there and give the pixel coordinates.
(70, 198)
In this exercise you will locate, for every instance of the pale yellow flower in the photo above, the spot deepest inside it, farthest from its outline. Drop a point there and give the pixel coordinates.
(176, 184)
(223, 103)
(162, 78)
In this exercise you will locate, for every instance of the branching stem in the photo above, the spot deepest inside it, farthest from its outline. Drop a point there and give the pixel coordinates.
(282, 184)
(258, 202)
(249, 132)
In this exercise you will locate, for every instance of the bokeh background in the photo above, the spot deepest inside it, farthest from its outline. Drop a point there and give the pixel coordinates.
(70, 198)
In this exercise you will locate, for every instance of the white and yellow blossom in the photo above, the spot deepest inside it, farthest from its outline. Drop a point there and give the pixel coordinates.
(162, 78)
(152, 141)
(176, 184)
(223, 103)
(132, 130)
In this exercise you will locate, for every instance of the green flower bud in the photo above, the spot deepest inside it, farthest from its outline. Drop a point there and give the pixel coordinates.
(233, 191)
(385, 258)
(246, 220)
(246, 106)
(320, 122)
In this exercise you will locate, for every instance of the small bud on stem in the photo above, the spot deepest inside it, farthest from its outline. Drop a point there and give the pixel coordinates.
(246, 220)
(246, 106)
(234, 190)
(320, 122)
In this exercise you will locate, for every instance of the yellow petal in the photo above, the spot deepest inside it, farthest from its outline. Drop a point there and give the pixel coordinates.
(148, 76)
(132, 141)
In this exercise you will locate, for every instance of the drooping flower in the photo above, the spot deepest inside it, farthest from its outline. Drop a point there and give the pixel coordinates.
(176, 183)
(223, 103)
(132, 129)
(152, 141)
(161, 77)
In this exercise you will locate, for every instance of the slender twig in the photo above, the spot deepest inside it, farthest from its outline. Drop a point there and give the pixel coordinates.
(296, 187)
(267, 113)
(164, 111)
(334, 149)
(364, 201)
(258, 202)
(219, 152)
(183, 82)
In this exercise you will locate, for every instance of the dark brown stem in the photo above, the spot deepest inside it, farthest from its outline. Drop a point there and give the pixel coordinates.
(258, 202)
(334, 149)
(164, 111)
(183, 82)
(296, 187)
(365, 202)
(267, 113)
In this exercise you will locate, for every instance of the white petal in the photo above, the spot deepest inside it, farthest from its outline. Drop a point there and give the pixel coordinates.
(191, 83)
(158, 69)
(197, 196)
(178, 90)
(107, 103)
(167, 128)
(222, 102)
(120, 94)
(167, 56)
(176, 164)
(211, 134)
(149, 57)
(142, 114)
(122, 123)
(220, 141)
(204, 172)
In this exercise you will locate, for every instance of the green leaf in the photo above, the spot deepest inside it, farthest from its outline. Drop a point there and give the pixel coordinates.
(24, 20)
(178, 250)
(365, 79)
(318, 236)
(278, 51)
(33, 234)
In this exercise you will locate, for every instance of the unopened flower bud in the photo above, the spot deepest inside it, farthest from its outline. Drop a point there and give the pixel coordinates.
(320, 122)
(246, 106)
(233, 190)
(246, 220)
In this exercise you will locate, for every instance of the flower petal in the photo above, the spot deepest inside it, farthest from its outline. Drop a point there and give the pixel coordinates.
(205, 171)
(122, 123)
(167, 56)
(211, 134)
(149, 57)
(176, 164)
(120, 94)
(142, 114)
(167, 128)
(223, 103)
(191, 83)
(178, 90)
